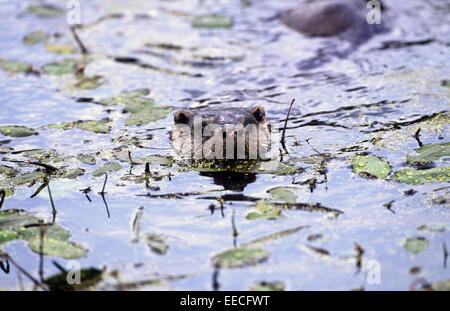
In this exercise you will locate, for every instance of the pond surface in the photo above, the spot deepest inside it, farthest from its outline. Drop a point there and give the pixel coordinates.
(164, 227)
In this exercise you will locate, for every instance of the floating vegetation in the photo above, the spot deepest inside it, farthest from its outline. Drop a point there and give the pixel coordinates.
(45, 10)
(429, 153)
(15, 66)
(264, 209)
(63, 67)
(109, 167)
(264, 286)
(434, 227)
(15, 224)
(245, 167)
(416, 245)
(101, 126)
(60, 48)
(371, 166)
(35, 37)
(87, 83)
(87, 159)
(17, 131)
(157, 244)
(142, 109)
(88, 279)
(212, 21)
(419, 177)
(240, 257)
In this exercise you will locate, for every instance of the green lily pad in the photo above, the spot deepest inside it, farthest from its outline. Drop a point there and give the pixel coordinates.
(45, 10)
(99, 126)
(7, 235)
(73, 173)
(35, 37)
(267, 287)
(88, 278)
(63, 67)
(157, 244)
(87, 83)
(371, 166)
(240, 257)
(436, 227)
(51, 247)
(109, 167)
(6, 170)
(416, 245)
(26, 227)
(264, 209)
(124, 98)
(142, 110)
(60, 48)
(15, 66)
(87, 159)
(429, 153)
(17, 131)
(212, 21)
(419, 177)
(26, 178)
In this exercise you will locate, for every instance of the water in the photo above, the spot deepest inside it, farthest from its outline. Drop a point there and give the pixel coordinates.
(385, 90)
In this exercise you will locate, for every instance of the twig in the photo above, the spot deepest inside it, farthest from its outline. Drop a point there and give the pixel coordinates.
(3, 194)
(49, 168)
(104, 185)
(416, 136)
(54, 211)
(39, 190)
(285, 125)
(444, 248)
(359, 254)
(83, 48)
(235, 232)
(42, 230)
(215, 278)
(22, 270)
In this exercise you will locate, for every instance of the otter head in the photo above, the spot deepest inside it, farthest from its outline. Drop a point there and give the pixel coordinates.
(233, 133)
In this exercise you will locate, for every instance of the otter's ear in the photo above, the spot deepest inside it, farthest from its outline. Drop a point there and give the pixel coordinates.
(182, 116)
(259, 113)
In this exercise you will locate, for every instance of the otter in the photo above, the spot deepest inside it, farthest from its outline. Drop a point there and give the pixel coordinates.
(215, 134)
(345, 20)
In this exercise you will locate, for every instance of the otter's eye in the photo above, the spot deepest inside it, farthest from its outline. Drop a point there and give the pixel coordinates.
(182, 117)
(259, 113)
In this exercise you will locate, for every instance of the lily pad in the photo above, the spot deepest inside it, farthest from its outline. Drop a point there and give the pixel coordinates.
(73, 173)
(212, 21)
(60, 68)
(371, 166)
(109, 167)
(17, 131)
(35, 37)
(419, 177)
(15, 66)
(416, 245)
(157, 244)
(264, 209)
(60, 248)
(88, 278)
(60, 48)
(435, 227)
(267, 286)
(240, 257)
(27, 227)
(26, 178)
(289, 194)
(124, 98)
(429, 153)
(142, 109)
(100, 126)
(88, 83)
(87, 159)
(45, 10)
(7, 235)
(4, 169)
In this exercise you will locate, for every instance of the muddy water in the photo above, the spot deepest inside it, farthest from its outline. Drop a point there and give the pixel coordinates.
(371, 102)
